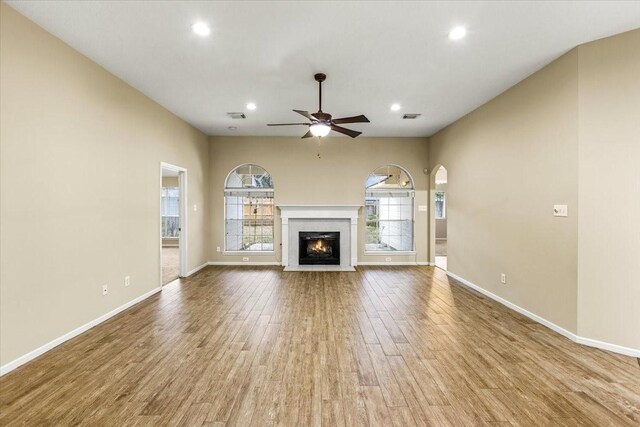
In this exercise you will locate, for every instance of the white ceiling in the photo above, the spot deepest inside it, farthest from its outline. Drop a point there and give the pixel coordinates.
(374, 53)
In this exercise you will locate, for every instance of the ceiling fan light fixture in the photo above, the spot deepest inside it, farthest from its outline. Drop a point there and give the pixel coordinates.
(320, 129)
(321, 123)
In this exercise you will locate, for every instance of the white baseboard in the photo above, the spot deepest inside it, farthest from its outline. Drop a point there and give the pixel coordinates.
(243, 263)
(198, 268)
(573, 337)
(363, 263)
(392, 263)
(56, 342)
(609, 347)
(319, 268)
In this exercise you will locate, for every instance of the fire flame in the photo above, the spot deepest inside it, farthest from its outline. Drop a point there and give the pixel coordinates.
(319, 246)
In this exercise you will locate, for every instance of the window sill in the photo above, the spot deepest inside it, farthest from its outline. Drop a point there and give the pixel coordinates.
(254, 253)
(399, 253)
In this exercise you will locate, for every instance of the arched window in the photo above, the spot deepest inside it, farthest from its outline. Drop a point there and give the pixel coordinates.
(389, 210)
(248, 210)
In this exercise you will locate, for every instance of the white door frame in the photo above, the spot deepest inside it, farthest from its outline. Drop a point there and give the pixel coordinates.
(182, 237)
(432, 214)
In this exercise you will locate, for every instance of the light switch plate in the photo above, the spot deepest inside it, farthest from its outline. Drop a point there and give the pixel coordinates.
(422, 208)
(560, 210)
(195, 208)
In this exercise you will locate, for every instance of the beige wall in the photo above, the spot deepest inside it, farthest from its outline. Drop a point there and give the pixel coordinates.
(441, 224)
(80, 177)
(569, 134)
(170, 181)
(300, 177)
(508, 163)
(609, 196)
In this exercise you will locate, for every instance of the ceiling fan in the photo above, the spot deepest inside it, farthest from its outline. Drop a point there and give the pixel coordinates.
(321, 123)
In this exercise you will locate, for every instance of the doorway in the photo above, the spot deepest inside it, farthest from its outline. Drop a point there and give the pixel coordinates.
(439, 186)
(172, 222)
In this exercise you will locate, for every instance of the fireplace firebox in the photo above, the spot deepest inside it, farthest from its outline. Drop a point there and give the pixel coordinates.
(319, 248)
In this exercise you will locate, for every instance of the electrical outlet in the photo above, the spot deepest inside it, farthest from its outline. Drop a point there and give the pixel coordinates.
(245, 258)
(105, 289)
(127, 280)
(217, 248)
(387, 259)
(503, 278)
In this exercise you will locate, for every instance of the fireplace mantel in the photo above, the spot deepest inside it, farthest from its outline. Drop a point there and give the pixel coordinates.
(313, 213)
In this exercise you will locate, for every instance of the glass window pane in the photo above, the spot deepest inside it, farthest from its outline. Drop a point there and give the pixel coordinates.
(389, 210)
(389, 176)
(249, 213)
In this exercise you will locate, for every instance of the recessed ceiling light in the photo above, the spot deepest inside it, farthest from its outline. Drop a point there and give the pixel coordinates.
(201, 29)
(457, 33)
(395, 107)
(251, 106)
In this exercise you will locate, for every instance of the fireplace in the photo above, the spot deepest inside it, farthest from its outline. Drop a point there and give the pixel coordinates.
(319, 248)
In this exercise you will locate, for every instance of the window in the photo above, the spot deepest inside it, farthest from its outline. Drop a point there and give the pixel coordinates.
(389, 210)
(170, 211)
(440, 205)
(248, 202)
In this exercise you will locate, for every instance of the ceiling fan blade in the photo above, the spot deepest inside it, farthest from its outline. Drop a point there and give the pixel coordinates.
(304, 113)
(307, 135)
(354, 119)
(287, 124)
(322, 116)
(349, 132)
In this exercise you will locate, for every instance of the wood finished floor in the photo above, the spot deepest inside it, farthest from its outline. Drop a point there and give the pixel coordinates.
(384, 346)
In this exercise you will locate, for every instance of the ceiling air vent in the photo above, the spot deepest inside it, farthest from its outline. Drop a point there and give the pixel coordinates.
(237, 115)
(411, 116)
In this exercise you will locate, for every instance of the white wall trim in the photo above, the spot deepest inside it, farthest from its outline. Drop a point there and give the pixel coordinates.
(390, 263)
(421, 263)
(609, 347)
(573, 337)
(515, 307)
(198, 268)
(243, 263)
(74, 333)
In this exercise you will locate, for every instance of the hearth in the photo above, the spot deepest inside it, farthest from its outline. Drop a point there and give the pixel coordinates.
(319, 248)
